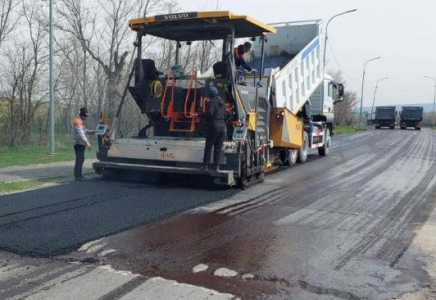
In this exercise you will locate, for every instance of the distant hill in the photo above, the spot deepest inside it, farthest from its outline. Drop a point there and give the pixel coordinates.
(428, 107)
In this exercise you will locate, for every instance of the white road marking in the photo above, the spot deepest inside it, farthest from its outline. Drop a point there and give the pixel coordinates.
(95, 248)
(163, 289)
(87, 245)
(224, 272)
(248, 276)
(200, 268)
(112, 270)
(106, 252)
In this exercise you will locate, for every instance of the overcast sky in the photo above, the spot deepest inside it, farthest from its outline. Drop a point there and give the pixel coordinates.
(402, 32)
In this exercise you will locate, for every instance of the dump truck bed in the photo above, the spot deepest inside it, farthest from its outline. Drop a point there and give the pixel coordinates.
(412, 113)
(294, 56)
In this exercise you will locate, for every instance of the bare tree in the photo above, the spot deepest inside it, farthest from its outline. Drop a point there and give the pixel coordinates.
(344, 110)
(103, 33)
(6, 24)
(22, 74)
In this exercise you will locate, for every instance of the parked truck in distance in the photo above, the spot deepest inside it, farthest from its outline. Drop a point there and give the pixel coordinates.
(411, 116)
(370, 119)
(385, 117)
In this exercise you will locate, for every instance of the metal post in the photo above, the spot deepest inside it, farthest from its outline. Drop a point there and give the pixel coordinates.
(52, 131)
(178, 45)
(375, 92)
(224, 53)
(363, 82)
(262, 61)
(326, 31)
(434, 100)
(139, 67)
(123, 97)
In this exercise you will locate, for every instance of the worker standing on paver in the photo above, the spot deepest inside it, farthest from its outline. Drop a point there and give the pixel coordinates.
(239, 57)
(80, 141)
(216, 129)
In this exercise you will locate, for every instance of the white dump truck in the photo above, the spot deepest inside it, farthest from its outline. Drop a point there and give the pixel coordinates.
(273, 117)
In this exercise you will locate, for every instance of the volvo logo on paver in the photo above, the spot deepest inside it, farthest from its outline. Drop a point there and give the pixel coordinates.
(176, 16)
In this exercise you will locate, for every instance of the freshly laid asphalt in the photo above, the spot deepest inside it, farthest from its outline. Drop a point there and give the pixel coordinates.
(56, 220)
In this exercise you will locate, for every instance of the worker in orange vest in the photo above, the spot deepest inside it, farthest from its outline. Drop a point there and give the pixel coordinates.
(239, 57)
(80, 141)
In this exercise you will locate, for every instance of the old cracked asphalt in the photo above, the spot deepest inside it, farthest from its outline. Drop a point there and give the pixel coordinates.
(358, 224)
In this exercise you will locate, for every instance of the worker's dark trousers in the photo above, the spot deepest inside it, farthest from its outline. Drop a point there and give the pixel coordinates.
(215, 139)
(80, 159)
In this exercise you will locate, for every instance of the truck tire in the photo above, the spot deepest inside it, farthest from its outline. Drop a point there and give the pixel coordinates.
(324, 150)
(293, 156)
(304, 150)
(391, 127)
(377, 127)
(417, 128)
(403, 128)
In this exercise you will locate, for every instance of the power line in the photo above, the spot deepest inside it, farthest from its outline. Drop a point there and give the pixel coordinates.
(338, 64)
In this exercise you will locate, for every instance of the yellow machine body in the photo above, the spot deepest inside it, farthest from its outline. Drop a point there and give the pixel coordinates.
(286, 129)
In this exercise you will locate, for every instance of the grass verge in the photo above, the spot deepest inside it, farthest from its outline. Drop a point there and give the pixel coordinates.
(38, 154)
(6, 187)
(349, 129)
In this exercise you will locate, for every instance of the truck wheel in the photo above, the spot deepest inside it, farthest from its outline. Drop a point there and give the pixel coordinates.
(417, 128)
(392, 127)
(293, 156)
(377, 127)
(304, 150)
(324, 150)
(403, 128)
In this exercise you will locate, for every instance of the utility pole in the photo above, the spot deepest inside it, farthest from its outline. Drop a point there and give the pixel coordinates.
(434, 100)
(363, 82)
(375, 92)
(326, 32)
(52, 108)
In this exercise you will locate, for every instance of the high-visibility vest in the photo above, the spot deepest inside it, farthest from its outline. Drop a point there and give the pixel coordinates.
(238, 54)
(77, 122)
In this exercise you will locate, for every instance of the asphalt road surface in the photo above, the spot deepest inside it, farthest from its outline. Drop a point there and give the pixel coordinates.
(357, 224)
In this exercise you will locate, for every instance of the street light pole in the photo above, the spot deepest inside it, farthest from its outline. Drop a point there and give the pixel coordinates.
(375, 92)
(326, 31)
(363, 82)
(434, 100)
(52, 138)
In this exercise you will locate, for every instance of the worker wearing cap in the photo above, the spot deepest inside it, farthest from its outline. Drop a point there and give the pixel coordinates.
(239, 57)
(80, 141)
(216, 129)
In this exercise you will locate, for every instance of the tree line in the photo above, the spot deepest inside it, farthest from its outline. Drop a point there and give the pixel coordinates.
(93, 54)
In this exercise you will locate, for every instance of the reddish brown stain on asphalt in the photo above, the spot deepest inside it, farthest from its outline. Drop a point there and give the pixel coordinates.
(171, 248)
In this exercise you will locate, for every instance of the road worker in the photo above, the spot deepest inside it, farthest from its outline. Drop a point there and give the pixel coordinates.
(80, 141)
(239, 57)
(216, 129)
